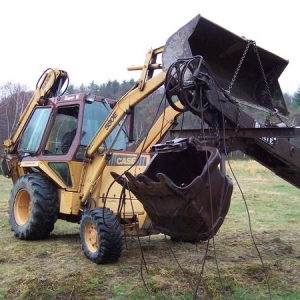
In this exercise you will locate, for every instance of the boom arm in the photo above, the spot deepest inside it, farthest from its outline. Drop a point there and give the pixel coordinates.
(159, 129)
(49, 85)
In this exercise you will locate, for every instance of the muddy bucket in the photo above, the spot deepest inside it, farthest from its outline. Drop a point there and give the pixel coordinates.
(223, 51)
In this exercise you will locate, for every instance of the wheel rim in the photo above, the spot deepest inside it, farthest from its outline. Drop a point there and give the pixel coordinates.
(22, 207)
(91, 237)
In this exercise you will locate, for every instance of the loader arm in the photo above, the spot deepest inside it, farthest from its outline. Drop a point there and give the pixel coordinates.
(146, 85)
(159, 129)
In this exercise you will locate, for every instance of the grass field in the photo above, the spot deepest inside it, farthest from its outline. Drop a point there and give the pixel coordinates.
(241, 262)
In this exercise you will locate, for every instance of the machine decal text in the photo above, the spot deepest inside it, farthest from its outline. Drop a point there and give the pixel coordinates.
(111, 120)
(127, 160)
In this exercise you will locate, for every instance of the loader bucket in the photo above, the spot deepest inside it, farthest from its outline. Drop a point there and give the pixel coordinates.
(223, 51)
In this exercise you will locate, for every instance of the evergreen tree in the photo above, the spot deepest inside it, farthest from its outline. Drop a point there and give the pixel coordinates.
(296, 96)
(71, 89)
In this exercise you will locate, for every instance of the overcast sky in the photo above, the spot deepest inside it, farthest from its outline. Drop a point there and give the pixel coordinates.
(98, 40)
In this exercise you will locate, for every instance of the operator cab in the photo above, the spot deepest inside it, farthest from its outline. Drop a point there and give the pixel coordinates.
(67, 126)
(60, 132)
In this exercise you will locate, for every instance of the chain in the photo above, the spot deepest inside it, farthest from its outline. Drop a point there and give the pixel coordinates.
(275, 111)
(217, 132)
(263, 75)
(238, 118)
(249, 42)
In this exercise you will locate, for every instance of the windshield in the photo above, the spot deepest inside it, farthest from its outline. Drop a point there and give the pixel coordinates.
(33, 133)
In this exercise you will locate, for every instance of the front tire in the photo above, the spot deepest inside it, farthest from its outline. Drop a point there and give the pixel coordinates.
(33, 207)
(100, 234)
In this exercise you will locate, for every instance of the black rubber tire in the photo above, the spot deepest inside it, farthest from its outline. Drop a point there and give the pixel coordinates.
(100, 234)
(33, 207)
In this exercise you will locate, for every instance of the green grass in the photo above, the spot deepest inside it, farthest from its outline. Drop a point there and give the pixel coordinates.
(56, 268)
(272, 203)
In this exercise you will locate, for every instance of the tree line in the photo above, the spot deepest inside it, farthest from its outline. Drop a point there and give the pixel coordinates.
(15, 96)
(111, 89)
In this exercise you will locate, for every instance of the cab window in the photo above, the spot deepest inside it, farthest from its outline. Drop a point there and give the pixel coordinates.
(94, 116)
(63, 131)
(34, 131)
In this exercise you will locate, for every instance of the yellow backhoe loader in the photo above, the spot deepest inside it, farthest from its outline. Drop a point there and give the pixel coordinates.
(70, 156)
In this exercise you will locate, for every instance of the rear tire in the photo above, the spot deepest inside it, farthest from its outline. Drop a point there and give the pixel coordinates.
(33, 207)
(100, 234)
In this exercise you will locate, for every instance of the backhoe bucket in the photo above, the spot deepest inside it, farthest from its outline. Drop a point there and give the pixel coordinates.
(183, 190)
(223, 51)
